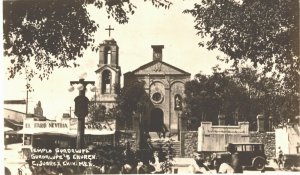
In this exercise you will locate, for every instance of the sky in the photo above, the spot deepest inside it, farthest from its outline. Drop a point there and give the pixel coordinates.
(148, 26)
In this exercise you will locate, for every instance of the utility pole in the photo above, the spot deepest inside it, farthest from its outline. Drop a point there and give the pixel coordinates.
(70, 112)
(26, 101)
(81, 110)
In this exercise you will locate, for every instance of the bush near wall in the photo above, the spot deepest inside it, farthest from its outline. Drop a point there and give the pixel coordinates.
(123, 137)
(266, 138)
(189, 141)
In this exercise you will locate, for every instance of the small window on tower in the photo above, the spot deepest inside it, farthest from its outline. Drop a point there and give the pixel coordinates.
(107, 55)
(106, 82)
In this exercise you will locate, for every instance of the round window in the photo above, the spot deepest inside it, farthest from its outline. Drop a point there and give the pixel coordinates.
(157, 97)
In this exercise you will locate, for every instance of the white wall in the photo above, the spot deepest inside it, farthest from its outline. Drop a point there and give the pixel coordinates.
(215, 138)
(287, 138)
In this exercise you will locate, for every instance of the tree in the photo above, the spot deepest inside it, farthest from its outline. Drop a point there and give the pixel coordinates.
(262, 31)
(267, 95)
(41, 35)
(132, 98)
(239, 94)
(210, 95)
(96, 112)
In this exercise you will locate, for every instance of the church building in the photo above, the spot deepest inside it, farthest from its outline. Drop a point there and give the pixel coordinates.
(164, 84)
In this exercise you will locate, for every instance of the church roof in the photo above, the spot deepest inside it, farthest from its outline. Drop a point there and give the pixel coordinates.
(103, 67)
(159, 67)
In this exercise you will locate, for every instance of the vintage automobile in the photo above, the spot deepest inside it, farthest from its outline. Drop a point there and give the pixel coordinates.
(250, 154)
(291, 160)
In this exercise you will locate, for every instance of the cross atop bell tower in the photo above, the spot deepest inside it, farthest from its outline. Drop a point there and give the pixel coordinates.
(109, 30)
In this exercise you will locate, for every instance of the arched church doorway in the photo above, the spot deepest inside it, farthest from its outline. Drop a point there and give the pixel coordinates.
(156, 120)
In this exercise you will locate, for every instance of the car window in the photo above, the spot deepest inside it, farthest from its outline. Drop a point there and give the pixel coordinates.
(246, 147)
(239, 147)
(249, 148)
(257, 148)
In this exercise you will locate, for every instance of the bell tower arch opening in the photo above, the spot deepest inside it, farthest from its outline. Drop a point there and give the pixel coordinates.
(106, 82)
(107, 55)
(156, 120)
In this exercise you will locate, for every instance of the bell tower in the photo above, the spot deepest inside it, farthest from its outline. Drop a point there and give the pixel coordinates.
(109, 53)
(108, 73)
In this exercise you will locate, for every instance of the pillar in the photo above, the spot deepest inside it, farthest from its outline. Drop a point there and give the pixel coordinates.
(270, 123)
(236, 120)
(221, 119)
(81, 110)
(137, 129)
(260, 123)
(80, 133)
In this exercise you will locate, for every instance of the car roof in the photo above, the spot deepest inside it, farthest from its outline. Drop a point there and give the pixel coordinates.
(246, 143)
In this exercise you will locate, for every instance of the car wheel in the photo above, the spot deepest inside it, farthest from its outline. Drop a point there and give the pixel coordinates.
(259, 164)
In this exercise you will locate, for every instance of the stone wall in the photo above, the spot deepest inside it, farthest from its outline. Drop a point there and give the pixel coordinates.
(266, 138)
(188, 143)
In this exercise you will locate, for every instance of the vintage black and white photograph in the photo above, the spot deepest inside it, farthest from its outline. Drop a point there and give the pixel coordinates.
(150, 87)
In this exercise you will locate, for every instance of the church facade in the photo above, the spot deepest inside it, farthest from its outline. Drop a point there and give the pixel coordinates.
(164, 84)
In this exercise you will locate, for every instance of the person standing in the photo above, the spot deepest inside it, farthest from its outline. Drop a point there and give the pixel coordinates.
(156, 162)
(280, 157)
(236, 163)
(215, 162)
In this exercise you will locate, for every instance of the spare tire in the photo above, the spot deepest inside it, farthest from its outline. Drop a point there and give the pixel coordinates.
(259, 163)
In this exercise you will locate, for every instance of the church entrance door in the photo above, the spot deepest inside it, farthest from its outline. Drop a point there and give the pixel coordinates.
(157, 120)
